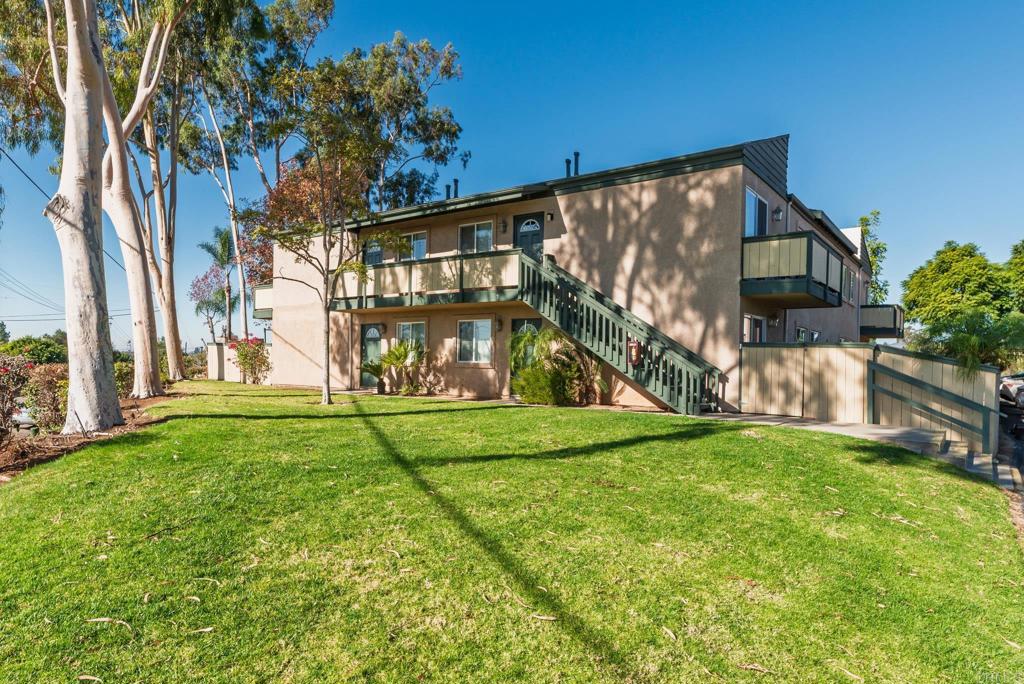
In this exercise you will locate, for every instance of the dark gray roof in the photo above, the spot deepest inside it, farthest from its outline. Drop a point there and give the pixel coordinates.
(768, 158)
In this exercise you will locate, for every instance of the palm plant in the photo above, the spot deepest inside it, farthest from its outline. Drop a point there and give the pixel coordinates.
(551, 353)
(213, 309)
(377, 370)
(974, 338)
(406, 357)
(222, 250)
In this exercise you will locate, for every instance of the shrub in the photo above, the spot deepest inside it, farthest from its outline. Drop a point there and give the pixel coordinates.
(47, 395)
(14, 372)
(406, 357)
(124, 378)
(195, 365)
(38, 350)
(548, 368)
(536, 384)
(252, 357)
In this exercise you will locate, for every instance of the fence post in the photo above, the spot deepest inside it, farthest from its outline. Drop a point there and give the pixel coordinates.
(870, 375)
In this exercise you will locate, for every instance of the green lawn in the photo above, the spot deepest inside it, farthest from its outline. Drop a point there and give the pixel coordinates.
(258, 537)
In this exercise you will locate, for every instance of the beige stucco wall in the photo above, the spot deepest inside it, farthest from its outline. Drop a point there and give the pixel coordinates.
(834, 323)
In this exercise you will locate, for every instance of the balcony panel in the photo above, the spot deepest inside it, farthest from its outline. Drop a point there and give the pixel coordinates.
(463, 278)
(263, 302)
(791, 271)
(884, 321)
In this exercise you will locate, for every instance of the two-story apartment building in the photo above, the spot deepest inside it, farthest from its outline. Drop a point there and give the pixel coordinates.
(662, 269)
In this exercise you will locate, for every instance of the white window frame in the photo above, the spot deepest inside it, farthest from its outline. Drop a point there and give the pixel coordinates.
(490, 342)
(475, 225)
(410, 236)
(801, 337)
(753, 192)
(762, 320)
(398, 331)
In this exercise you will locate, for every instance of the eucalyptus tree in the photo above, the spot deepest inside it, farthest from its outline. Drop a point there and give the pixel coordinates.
(398, 79)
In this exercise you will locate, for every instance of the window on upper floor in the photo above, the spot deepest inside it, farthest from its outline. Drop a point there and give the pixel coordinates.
(373, 253)
(417, 247)
(756, 215)
(801, 334)
(849, 285)
(476, 237)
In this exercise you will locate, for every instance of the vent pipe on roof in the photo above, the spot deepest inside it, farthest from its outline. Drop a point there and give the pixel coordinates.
(447, 191)
(455, 191)
(568, 167)
(576, 163)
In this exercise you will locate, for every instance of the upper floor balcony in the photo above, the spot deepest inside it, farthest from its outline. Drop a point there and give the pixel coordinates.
(883, 321)
(794, 270)
(455, 279)
(263, 301)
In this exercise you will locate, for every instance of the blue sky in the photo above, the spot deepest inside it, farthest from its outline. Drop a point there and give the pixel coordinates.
(911, 108)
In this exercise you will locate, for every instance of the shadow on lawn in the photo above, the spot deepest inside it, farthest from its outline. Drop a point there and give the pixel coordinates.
(342, 416)
(528, 582)
(890, 454)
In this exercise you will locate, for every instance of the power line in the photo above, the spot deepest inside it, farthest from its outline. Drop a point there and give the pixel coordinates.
(47, 196)
(32, 291)
(6, 286)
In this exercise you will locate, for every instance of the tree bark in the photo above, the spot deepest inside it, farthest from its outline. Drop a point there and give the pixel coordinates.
(325, 393)
(76, 214)
(119, 204)
(227, 308)
(162, 273)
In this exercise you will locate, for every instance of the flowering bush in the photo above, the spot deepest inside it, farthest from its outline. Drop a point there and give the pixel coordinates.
(47, 395)
(252, 356)
(14, 372)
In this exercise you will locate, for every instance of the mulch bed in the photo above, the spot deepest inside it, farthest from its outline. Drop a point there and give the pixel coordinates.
(24, 452)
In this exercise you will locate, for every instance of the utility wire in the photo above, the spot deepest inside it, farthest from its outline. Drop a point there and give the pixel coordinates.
(47, 196)
(11, 277)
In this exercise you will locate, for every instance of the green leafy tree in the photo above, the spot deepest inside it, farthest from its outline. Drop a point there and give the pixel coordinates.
(43, 349)
(878, 291)
(1015, 273)
(398, 79)
(958, 278)
(5, 336)
(976, 337)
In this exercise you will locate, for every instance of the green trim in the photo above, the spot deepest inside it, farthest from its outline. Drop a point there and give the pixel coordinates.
(767, 287)
(507, 293)
(264, 286)
(933, 389)
(939, 415)
(263, 313)
(932, 357)
(845, 345)
(884, 333)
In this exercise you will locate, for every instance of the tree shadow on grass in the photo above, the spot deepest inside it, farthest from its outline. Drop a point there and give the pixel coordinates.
(575, 626)
(893, 455)
(687, 433)
(340, 416)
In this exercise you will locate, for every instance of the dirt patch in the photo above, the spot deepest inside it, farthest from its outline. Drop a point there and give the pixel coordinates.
(1017, 512)
(23, 453)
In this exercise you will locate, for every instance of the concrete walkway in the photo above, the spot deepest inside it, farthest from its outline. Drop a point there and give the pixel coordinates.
(919, 440)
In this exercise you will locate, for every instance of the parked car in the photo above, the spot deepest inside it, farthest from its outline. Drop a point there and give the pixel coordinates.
(22, 417)
(1011, 388)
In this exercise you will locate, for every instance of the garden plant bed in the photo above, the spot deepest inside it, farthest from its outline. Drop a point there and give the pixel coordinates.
(256, 536)
(26, 451)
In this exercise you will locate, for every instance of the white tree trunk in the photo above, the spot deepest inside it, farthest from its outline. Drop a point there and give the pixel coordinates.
(123, 215)
(75, 212)
(325, 391)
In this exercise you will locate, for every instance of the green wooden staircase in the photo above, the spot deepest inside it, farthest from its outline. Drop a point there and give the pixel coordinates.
(664, 368)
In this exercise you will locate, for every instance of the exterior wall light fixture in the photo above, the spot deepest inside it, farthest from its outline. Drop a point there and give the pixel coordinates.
(777, 214)
(504, 226)
(499, 323)
(551, 216)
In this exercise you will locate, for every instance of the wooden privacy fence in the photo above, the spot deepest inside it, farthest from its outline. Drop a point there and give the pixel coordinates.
(864, 383)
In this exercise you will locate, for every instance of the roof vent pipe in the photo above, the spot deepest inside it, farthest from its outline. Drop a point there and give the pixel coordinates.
(568, 167)
(576, 163)
(455, 182)
(447, 191)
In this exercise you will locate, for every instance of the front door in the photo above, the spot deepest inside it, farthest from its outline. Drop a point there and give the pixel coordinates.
(520, 325)
(529, 234)
(369, 352)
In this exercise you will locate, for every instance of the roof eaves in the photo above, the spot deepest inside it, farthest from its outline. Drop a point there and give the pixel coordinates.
(825, 222)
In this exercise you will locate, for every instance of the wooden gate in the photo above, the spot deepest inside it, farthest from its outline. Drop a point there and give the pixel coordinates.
(863, 383)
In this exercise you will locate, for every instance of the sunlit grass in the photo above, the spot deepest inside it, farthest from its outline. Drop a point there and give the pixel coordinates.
(256, 536)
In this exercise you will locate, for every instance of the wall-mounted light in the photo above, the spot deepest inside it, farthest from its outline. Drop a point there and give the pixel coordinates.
(551, 216)
(383, 328)
(777, 214)
(504, 226)
(499, 323)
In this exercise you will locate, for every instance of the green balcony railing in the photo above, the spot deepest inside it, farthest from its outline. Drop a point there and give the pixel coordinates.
(799, 267)
(881, 321)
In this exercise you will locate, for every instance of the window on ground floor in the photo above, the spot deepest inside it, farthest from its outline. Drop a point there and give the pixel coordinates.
(413, 331)
(475, 344)
(755, 328)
